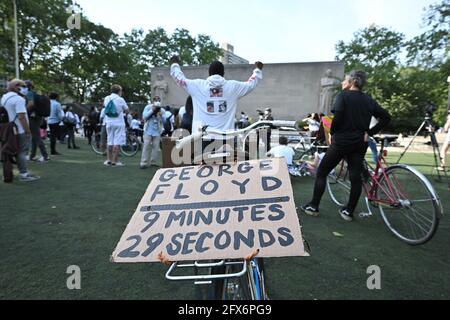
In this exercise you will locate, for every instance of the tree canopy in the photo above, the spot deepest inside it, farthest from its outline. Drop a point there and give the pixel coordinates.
(82, 64)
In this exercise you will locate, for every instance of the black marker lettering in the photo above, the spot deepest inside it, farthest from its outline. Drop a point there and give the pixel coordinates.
(267, 187)
(173, 216)
(249, 241)
(245, 168)
(184, 175)
(187, 242)
(178, 194)
(168, 175)
(276, 208)
(158, 191)
(263, 243)
(207, 219)
(256, 211)
(241, 185)
(205, 168)
(225, 168)
(153, 243)
(226, 243)
(223, 216)
(200, 246)
(265, 165)
(215, 187)
(174, 247)
(240, 212)
(288, 240)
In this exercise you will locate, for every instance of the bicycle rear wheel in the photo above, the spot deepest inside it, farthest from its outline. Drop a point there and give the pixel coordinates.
(409, 204)
(338, 184)
(131, 148)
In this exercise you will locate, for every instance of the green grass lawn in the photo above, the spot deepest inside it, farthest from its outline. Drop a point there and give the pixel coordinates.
(77, 213)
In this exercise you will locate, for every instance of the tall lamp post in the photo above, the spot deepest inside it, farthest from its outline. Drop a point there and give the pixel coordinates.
(448, 80)
(16, 40)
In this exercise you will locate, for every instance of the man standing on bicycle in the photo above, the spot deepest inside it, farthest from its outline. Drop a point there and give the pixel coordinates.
(214, 99)
(353, 112)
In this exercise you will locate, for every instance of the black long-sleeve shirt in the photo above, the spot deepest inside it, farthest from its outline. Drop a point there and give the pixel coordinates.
(353, 112)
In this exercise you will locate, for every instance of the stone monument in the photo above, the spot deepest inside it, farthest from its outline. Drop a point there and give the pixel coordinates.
(329, 84)
(161, 88)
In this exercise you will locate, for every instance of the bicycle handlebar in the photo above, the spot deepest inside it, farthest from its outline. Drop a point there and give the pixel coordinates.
(187, 140)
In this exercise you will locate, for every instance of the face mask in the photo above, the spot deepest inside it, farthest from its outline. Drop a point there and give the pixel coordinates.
(24, 91)
(157, 104)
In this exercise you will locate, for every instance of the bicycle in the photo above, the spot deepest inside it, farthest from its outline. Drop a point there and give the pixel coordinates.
(408, 203)
(130, 149)
(226, 279)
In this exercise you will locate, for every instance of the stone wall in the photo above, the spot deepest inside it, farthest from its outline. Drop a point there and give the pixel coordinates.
(292, 90)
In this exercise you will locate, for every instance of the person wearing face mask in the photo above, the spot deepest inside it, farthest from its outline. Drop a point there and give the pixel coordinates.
(350, 132)
(15, 104)
(153, 118)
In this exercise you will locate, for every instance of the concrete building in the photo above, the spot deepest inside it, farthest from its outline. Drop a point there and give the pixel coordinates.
(229, 57)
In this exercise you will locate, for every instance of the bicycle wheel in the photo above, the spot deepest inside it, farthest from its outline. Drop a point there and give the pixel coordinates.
(96, 144)
(338, 184)
(131, 148)
(409, 204)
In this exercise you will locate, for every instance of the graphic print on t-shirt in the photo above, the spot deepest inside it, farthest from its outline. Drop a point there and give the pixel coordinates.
(216, 92)
(222, 106)
(210, 106)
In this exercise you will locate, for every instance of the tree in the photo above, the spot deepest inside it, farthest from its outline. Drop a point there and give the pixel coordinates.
(375, 50)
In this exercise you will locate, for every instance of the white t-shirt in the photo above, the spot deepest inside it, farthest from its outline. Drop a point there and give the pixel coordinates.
(181, 113)
(135, 124)
(215, 99)
(121, 107)
(283, 152)
(314, 126)
(15, 104)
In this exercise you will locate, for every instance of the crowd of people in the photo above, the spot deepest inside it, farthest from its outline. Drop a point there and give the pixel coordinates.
(212, 102)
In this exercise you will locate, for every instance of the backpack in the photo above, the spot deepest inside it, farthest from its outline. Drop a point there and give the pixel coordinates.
(111, 110)
(168, 124)
(42, 105)
(4, 117)
(70, 121)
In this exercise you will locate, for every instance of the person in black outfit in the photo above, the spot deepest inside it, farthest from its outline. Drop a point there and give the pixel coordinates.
(353, 111)
(186, 122)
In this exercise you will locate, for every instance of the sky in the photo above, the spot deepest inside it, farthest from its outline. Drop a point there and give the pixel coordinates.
(272, 31)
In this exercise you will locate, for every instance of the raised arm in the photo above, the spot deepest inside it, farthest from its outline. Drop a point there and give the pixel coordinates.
(178, 75)
(244, 88)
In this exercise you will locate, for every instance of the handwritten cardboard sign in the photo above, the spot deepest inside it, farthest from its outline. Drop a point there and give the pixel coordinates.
(214, 212)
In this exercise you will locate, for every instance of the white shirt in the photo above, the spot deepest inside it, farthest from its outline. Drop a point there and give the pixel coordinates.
(14, 105)
(215, 99)
(121, 107)
(283, 152)
(135, 124)
(168, 115)
(314, 126)
(181, 113)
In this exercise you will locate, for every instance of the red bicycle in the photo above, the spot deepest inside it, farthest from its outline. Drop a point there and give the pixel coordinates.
(407, 201)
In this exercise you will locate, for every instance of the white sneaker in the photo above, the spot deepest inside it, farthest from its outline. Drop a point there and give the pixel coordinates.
(118, 164)
(107, 163)
(27, 177)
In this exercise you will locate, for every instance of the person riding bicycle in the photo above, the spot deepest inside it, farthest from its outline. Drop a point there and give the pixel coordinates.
(353, 112)
(214, 99)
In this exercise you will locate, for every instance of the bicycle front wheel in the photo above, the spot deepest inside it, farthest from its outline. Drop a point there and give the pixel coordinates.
(131, 148)
(338, 184)
(96, 144)
(409, 204)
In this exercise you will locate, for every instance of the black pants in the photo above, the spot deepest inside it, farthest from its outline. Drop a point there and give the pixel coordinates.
(36, 140)
(71, 133)
(54, 135)
(354, 154)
